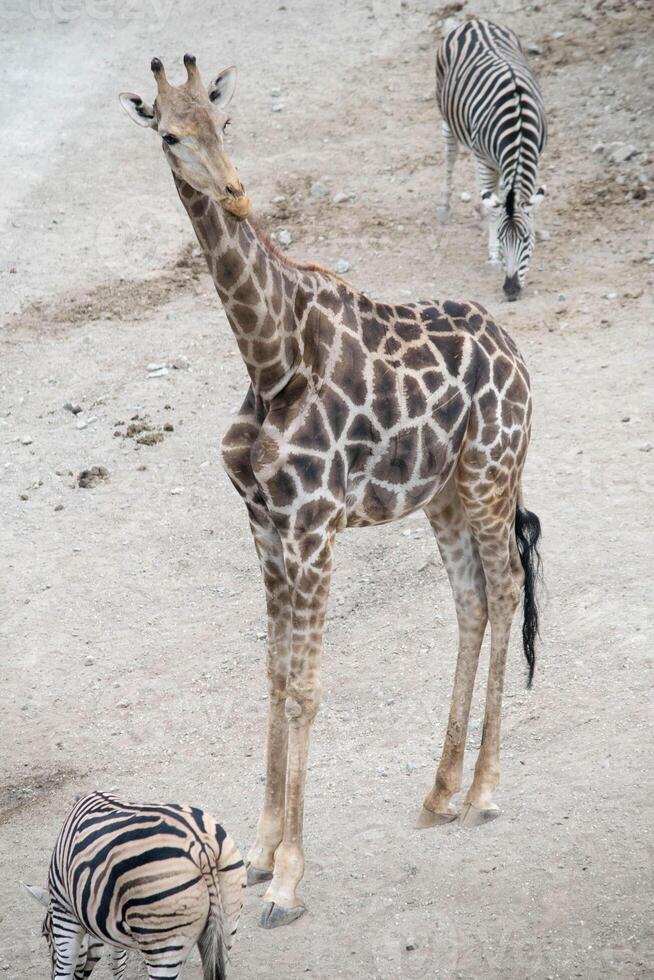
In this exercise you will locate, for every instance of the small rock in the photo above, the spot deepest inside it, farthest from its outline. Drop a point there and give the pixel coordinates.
(341, 267)
(168, 427)
(176, 491)
(645, 448)
(155, 367)
(26, 441)
(23, 496)
(284, 237)
(89, 661)
(82, 424)
(123, 704)
(91, 477)
(623, 153)
(275, 92)
(73, 407)
(59, 507)
(341, 197)
(180, 363)
(410, 944)
(639, 193)
(465, 197)
(610, 296)
(599, 148)
(150, 438)
(542, 235)
(562, 297)
(277, 107)
(160, 372)
(317, 189)
(534, 49)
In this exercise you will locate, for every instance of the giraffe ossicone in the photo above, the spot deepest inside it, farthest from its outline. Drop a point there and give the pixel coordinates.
(357, 413)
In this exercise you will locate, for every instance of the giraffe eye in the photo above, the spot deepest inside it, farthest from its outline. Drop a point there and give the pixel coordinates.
(170, 139)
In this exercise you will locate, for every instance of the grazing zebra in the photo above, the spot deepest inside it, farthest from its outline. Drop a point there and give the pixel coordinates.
(158, 879)
(491, 103)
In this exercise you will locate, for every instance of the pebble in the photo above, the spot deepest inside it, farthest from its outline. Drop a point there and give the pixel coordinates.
(341, 197)
(623, 153)
(542, 235)
(158, 372)
(410, 944)
(168, 427)
(278, 107)
(59, 507)
(465, 197)
(91, 477)
(26, 441)
(599, 148)
(73, 407)
(275, 92)
(176, 491)
(82, 424)
(610, 296)
(180, 363)
(23, 496)
(89, 661)
(341, 267)
(534, 49)
(279, 199)
(646, 448)
(284, 237)
(317, 189)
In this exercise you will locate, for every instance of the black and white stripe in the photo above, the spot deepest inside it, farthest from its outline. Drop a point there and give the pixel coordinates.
(491, 103)
(154, 878)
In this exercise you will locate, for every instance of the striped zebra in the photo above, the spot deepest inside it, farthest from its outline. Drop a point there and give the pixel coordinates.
(155, 878)
(490, 102)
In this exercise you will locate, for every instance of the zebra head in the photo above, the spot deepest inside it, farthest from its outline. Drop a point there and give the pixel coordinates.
(515, 236)
(43, 898)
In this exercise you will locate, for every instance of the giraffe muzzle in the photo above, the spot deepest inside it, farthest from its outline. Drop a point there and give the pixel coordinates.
(236, 202)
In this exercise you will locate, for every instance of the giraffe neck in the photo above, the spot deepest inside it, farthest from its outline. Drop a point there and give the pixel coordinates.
(259, 291)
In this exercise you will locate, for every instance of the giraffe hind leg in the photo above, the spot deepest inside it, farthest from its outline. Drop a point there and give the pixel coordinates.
(463, 565)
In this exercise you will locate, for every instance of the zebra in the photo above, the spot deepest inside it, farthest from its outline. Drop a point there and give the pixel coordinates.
(155, 878)
(491, 103)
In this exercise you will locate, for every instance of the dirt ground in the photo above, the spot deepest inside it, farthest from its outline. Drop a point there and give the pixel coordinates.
(132, 616)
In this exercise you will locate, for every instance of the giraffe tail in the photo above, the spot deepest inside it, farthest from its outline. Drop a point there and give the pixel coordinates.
(528, 533)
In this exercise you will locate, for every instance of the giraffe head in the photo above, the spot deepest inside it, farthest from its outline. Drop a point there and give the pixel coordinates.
(191, 120)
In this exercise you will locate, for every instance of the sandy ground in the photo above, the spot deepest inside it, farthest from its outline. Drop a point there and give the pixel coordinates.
(132, 614)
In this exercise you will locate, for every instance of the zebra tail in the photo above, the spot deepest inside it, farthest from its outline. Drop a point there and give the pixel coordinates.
(230, 880)
(212, 946)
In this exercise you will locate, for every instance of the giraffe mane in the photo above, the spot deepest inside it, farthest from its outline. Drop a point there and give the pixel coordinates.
(277, 252)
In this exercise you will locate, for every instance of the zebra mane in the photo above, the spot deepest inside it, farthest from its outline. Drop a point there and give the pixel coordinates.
(510, 202)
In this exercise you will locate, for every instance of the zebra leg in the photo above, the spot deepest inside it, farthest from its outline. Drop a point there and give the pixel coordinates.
(118, 960)
(67, 936)
(451, 151)
(489, 183)
(93, 955)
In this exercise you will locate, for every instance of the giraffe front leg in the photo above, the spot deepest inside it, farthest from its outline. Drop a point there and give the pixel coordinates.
(270, 828)
(308, 565)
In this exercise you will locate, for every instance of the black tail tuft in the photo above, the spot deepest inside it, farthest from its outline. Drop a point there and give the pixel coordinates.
(527, 532)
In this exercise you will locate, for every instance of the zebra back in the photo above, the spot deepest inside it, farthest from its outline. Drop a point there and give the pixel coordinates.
(130, 873)
(492, 103)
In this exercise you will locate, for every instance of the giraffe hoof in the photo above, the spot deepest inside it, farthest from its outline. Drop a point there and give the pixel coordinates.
(472, 816)
(427, 818)
(274, 915)
(257, 875)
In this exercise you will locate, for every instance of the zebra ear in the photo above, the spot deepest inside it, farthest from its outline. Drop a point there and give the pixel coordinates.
(490, 201)
(40, 894)
(536, 199)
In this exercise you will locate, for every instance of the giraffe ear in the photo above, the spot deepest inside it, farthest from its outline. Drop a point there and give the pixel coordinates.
(138, 110)
(221, 89)
(37, 893)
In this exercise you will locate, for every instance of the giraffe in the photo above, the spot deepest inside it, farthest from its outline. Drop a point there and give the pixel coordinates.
(357, 413)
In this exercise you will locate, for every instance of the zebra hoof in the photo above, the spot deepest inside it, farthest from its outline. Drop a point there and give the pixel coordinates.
(257, 875)
(427, 818)
(472, 816)
(274, 915)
